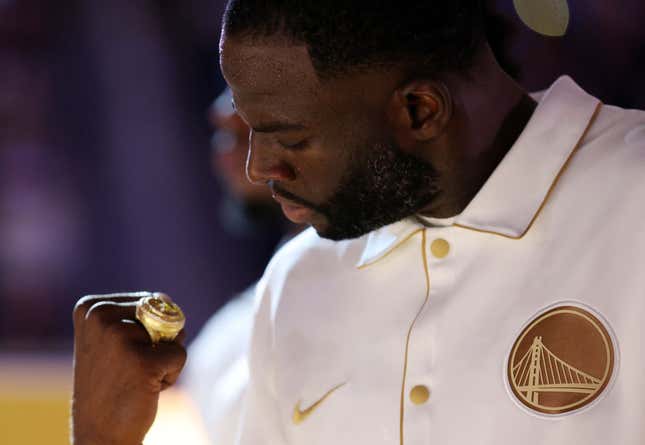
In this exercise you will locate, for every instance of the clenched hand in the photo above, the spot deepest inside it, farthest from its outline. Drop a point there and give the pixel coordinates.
(118, 372)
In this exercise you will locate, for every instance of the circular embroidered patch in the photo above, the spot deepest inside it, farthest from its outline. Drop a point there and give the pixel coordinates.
(561, 361)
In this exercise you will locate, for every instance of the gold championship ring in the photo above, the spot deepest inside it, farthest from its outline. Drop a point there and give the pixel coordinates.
(162, 318)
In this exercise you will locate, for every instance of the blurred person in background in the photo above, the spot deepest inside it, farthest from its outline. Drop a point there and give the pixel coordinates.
(98, 102)
(245, 207)
(216, 372)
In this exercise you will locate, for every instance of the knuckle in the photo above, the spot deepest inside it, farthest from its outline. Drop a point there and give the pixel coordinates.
(99, 313)
(173, 355)
(82, 306)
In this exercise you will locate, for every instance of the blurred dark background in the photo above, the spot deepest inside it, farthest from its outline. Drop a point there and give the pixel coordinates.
(106, 182)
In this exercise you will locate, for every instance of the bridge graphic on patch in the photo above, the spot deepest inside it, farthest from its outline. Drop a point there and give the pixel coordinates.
(541, 371)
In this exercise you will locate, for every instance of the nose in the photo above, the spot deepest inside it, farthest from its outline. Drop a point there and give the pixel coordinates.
(264, 163)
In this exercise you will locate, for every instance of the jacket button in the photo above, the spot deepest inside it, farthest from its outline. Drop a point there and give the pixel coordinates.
(419, 394)
(440, 248)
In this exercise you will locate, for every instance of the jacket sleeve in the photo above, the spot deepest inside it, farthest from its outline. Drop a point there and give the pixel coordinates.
(261, 419)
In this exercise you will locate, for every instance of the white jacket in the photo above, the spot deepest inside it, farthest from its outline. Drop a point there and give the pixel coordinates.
(519, 323)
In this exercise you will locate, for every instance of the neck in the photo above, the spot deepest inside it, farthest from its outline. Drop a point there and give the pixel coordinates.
(490, 113)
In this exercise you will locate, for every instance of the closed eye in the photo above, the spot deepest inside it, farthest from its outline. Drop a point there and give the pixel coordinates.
(297, 146)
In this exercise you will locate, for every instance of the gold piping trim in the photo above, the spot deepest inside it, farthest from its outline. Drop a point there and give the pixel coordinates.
(550, 191)
(391, 249)
(407, 339)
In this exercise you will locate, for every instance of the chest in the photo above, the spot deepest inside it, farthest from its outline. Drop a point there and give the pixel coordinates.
(456, 337)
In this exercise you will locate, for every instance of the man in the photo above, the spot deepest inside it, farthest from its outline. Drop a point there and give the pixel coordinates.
(483, 286)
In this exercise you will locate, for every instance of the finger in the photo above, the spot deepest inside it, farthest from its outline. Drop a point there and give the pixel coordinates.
(169, 358)
(111, 311)
(181, 337)
(136, 332)
(85, 303)
(172, 375)
(116, 319)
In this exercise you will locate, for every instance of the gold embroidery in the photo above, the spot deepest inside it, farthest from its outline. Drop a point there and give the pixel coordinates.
(561, 362)
(300, 415)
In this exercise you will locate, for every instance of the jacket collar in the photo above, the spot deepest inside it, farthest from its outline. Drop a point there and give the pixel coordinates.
(514, 194)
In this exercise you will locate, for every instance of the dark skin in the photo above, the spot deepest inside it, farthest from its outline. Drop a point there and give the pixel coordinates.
(301, 128)
(462, 127)
(118, 374)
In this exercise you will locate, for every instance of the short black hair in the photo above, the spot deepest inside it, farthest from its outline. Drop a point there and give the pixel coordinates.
(345, 36)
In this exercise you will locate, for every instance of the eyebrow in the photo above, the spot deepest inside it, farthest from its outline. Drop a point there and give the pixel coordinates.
(272, 127)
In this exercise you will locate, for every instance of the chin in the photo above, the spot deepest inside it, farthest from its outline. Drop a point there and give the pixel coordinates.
(333, 234)
(324, 230)
(320, 228)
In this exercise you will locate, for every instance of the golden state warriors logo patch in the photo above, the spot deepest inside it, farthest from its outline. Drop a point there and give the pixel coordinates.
(561, 361)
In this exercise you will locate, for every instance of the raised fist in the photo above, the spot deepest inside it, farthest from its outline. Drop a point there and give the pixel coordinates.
(118, 371)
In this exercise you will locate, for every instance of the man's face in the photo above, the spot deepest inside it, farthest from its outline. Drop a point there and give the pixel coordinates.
(325, 149)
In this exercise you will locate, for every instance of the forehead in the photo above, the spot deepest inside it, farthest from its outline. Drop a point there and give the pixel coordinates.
(269, 77)
(275, 82)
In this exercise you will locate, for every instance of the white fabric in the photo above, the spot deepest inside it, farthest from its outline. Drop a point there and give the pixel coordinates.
(216, 372)
(340, 313)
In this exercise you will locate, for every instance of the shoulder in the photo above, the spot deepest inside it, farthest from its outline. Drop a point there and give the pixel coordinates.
(620, 125)
(607, 170)
(308, 255)
(307, 260)
(615, 143)
(224, 337)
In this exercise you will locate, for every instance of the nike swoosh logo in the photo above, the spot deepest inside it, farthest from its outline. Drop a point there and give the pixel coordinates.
(300, 415)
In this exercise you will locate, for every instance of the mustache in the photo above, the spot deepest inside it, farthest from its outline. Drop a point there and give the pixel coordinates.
(279, 191)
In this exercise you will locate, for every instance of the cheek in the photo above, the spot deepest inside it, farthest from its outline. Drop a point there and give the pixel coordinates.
(322, 167)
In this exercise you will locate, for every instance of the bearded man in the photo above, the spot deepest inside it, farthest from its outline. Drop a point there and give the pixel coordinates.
(472, 270)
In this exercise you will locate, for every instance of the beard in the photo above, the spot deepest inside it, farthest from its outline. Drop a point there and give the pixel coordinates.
(382, 185)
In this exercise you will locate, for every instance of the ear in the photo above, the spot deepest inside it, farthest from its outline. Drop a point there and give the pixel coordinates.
(419, 112)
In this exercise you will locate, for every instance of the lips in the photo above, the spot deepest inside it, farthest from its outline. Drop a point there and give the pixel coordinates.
(294, 212)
